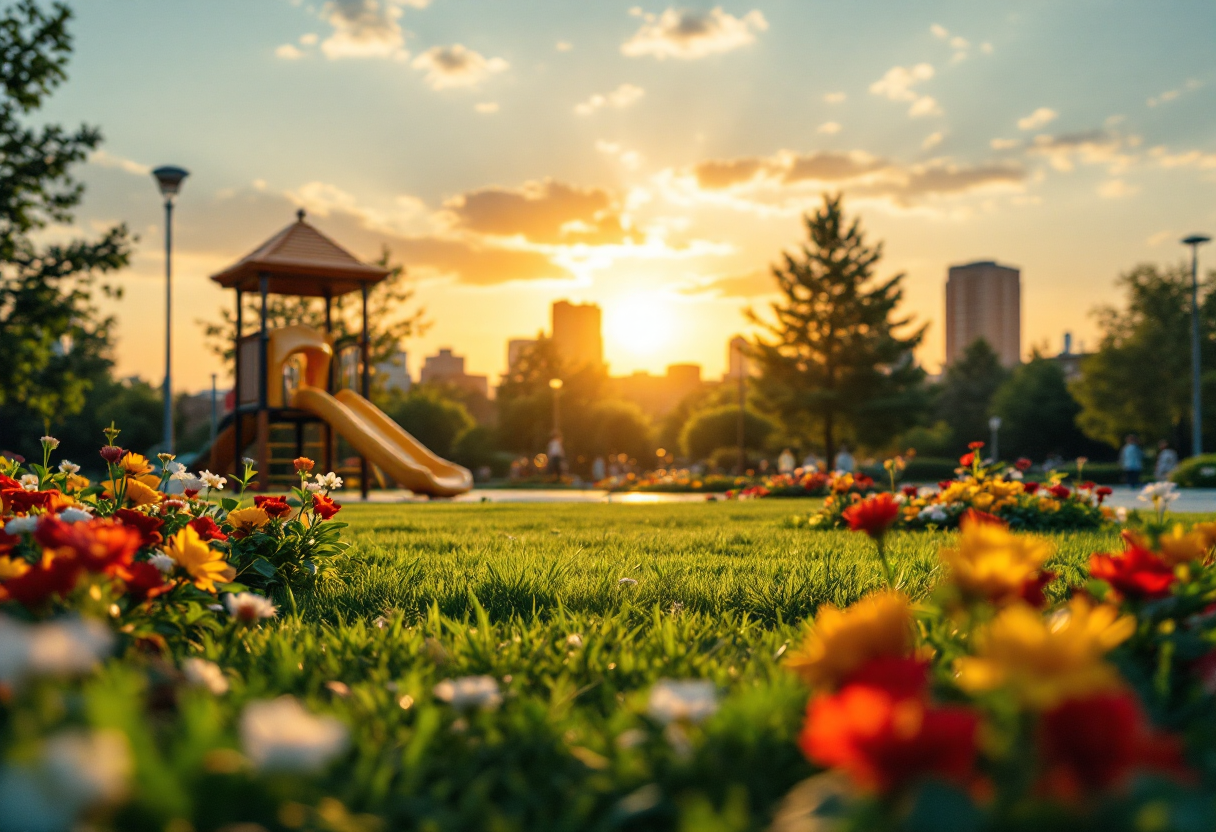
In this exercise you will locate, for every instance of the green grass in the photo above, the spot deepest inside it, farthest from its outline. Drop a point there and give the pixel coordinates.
(429, 592)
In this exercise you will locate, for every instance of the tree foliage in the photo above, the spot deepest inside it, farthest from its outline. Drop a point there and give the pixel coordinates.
(53, 340)
(964, 400)
(833, 364)
(1038, 414)
(432, 419)
(718, 427)
(1139, 380)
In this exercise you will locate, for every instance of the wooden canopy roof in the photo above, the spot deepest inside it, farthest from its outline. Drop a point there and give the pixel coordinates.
(300, 260)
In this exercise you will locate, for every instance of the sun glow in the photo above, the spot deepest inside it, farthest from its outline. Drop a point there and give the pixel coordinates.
(639, 324)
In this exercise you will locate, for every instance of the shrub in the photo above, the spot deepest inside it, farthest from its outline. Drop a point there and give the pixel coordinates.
(717, 427)
(1196, 472)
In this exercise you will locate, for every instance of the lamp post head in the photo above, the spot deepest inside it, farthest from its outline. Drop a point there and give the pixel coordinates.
(169, 178)
(555, 384)
(1196, 240)
(994, 423)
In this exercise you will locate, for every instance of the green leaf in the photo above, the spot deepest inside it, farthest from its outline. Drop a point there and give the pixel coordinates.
(229, 503)
(264, 568)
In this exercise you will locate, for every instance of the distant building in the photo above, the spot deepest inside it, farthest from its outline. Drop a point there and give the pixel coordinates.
(1069, 361)
(576, 334)
(658, 395)
(984, 300)
(394, 374)
(447, 368)
(736, 357)
(516, 347)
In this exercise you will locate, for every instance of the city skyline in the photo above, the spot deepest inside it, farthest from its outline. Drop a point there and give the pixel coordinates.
(652, 161)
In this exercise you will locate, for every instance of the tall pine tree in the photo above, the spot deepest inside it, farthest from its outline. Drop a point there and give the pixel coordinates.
(832, 361)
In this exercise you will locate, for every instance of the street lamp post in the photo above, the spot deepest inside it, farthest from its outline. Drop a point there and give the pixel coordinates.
(169, 179)
(1195, 241)
(994, 427)
(555, 384)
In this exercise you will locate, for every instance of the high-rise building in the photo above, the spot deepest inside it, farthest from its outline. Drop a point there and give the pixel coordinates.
(984, 300)
(516, 347)
(447, 368)
(576, 334)
(736, 356)
(394, 373)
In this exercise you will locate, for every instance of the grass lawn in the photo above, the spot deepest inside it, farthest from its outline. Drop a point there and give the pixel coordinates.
(532, 594)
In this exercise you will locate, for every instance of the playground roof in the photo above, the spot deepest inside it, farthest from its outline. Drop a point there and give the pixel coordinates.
(300, 260)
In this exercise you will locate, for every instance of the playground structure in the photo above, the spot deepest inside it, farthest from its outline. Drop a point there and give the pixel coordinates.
(288, 396)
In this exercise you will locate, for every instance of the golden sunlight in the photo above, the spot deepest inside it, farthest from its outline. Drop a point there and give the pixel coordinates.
(640, 324)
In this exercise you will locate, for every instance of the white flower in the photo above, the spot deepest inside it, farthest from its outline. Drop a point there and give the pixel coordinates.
(900, 499)
(29, 482)
(314, 487)
(469, 692)
(1157, 493)
(1121, 514)
(175, 469)
(934, 514)
(1015, 474)
(205, 674)
(211, 480)
(627, 582)
(88, 767)
(163, 562)
(66, 467)
(175, 505)
(250, 462)
(685, 701)
(71, 514)
(281, 736)
(50, 442)
(330, 481)
(21, 525)
(926, 491)
(247, 607)
(574, 640)
(66, 647)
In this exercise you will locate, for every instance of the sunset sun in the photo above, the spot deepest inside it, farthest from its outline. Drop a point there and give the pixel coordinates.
(640, 324)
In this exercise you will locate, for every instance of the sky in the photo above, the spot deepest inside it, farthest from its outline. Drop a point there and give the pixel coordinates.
(652, 159)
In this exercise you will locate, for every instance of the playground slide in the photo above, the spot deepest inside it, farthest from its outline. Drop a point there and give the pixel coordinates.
(383, 442)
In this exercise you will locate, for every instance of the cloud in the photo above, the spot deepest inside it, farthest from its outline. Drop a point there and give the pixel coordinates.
(457, 66)
(786, 180)
(473, 263)
(546, 212)
(932, 140)
(748, 285)
(897, 84)
(1170, 95)
(829, 127)
(835, 97)
(106, 159)
(1184, 159)
(631, 159)
(1037, 119)
(564, 46)
(939, 31)
(364, 29)
(486, 107)
(288, 52)
(1091, 147)
(1003, 144)
(621, 97)
(1116, 189)
(690, 34)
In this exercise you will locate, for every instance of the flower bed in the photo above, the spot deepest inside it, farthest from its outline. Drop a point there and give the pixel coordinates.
(993, 489)
(993, 707)
(800, 483)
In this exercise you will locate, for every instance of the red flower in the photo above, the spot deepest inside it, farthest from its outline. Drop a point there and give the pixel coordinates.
(944, 484)
(52, 575)
(111, 453)
(144, 581)
(886, 736)
(1032, 590)
(967, 459)
(189, 493)
(973, 515)
(873, 515)
(207, 530)
(20, 501)
(909, 490)
(147, 525)
(863, 482)
(1023, 464)
(1103, 492)
(1097, 742)
(324, 507)
(1136, 573)
(7, 482)
(99, 545)
(1030, 487)
(975, 446)
(275, 507)
(1059, 491)
(1088, 485)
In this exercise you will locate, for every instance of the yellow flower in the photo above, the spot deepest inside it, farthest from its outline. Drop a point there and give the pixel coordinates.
(1179, 547)
(991, 562)
(880, 624)
(137, 493)
(12, 567)
(205, 565)
(1048, 504)
(245, 521)
(75, 482)
(1046, 661)
(1208, 532)
(134, 465)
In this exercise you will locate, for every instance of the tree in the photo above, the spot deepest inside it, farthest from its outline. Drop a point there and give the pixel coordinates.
(616, 427)
(432, 419)
(833, 364)
(53, 341)
(387, 326)
(718, 427)
(1038, 414)
(526, 407)
(964, 400)
(1139, 380)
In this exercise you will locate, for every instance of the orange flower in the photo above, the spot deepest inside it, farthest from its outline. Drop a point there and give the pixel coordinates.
(134, 465)
(99, 545)
(303, 464)
(245, 521)
(842, 641)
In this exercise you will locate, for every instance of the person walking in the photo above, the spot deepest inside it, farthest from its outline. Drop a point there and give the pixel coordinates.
(556, 454)
(1167, 461)
(1131, 460)
(786, 462)
(844, 461)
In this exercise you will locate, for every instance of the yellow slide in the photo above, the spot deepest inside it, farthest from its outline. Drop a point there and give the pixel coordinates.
(383, 442)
